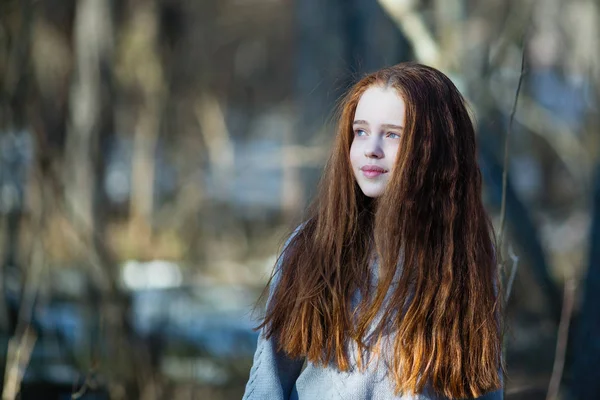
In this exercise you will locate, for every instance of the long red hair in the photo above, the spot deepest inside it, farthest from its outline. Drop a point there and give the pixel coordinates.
(433, 242)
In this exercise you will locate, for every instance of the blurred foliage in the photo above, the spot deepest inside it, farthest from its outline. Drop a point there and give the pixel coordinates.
(155, 153)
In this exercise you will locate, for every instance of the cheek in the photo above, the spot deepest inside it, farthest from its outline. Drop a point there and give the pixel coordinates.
(354, 154)
(393, 152)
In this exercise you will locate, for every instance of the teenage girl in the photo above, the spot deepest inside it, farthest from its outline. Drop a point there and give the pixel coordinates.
(389, 289)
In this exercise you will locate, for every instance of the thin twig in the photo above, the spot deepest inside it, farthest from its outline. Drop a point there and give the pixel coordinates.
(21, 345)
(561, 342)
(506, 152)
(89, 383)
(513, 273)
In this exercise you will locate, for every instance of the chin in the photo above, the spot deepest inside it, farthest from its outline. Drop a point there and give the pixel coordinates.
(371, 192)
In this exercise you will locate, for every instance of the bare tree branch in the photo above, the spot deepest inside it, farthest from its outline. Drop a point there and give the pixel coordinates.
(506, 153)
(561, 343)
(403, 13)
(19, 353)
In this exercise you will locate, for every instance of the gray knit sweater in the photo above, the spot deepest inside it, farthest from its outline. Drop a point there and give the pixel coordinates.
(275, 376)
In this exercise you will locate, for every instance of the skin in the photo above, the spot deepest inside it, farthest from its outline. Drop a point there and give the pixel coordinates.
(378, 124)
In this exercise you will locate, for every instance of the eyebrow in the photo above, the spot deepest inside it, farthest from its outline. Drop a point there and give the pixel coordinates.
(384, 126)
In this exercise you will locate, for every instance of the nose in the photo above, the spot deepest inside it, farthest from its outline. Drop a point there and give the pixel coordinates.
(373, 149)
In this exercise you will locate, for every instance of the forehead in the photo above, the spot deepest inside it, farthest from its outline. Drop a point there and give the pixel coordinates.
(380, 105)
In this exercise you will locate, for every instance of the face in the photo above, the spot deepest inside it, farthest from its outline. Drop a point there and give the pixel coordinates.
(378, 125)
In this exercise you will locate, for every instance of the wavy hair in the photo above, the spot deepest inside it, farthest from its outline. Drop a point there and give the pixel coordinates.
(437, 288)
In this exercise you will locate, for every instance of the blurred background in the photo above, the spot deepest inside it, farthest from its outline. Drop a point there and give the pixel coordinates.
(155, 154)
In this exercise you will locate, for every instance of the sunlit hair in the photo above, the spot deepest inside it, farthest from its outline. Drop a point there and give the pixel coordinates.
(430, 224)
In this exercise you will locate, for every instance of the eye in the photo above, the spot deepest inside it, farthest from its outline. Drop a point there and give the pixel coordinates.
(360, 132)
(393, 135)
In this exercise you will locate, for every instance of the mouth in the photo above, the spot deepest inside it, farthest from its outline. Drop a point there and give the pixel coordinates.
(372, 171)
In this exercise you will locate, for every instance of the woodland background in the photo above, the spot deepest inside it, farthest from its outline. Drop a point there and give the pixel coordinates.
(155, 153)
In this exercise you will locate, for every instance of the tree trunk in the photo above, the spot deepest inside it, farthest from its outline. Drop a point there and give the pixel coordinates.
(91, 126)
(518, 216)
(584, 383)
(14, 164)
(149, 81)
(90, 112)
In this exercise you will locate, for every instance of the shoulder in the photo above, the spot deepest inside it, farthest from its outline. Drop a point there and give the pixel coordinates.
(298, 230)
(280, 260)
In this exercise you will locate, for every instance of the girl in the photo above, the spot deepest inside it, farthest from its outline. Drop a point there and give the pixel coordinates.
(389, 288)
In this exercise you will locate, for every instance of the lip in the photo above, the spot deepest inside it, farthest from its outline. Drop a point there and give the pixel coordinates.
(372, 168)
(372, 171)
